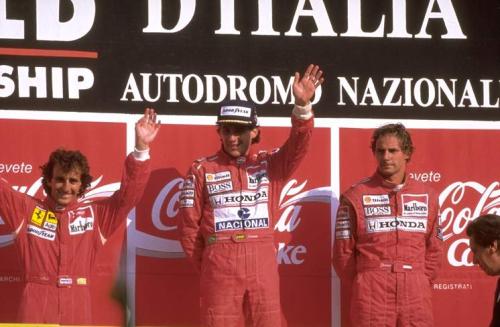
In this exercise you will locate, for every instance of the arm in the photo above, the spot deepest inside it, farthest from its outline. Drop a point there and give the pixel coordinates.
(434, 242)
(292, 152)
(191, 212)
(135, 175)
(13, 205)
(344, 256)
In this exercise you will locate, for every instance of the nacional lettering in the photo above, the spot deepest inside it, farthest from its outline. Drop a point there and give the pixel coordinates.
(254, 223)
(316, 10)
(422, 92)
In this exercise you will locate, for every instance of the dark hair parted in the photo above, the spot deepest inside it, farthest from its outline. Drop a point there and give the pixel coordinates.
(485, 230)
(67, 160)
(398, 130)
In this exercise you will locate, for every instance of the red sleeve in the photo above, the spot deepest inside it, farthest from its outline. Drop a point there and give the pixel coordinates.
(286, 159)
(113, 211)
(191, 214)
(13, 205)
(434, 241)
(344, 256)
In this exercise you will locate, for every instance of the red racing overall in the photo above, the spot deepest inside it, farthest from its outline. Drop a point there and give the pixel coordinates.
(228, 210)
(57, 246)
(387, 239)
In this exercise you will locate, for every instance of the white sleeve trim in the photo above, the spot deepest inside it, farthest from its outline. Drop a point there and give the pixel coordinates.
(141, 155)
(303, 112)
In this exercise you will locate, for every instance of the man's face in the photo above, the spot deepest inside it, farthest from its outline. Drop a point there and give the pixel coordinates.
(64, 187)
(390, 158)
(236, 139)
(486, 257)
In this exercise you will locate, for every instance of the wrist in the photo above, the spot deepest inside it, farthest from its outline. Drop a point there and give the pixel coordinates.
(303, 112)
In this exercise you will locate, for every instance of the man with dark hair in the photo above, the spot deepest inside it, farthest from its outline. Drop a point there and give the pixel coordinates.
(228, 205)
(58, 237)
(387, 239)
(484, 233)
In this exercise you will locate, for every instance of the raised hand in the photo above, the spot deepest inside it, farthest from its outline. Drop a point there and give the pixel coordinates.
(146, 129)
(304, 88)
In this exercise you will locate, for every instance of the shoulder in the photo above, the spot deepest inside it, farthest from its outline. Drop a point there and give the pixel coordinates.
(199, 163)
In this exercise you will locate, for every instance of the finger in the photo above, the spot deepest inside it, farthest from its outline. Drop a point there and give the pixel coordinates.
(296, 78)
(314, 70)
(319, 82)
(307, 72)
(319, 74)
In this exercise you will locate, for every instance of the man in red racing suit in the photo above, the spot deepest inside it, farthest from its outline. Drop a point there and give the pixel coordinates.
(387, 239)
(228, 204)
(58, 237)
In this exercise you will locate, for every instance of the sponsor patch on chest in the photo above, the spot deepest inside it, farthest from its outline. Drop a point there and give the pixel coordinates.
(371, 211)
(375, 200)
(217, 177)
(81, 220)
(236, 218)
(43, 224)
(389, 224)
(219, 187)
(415, 205)
(257, 176)
(247, 198)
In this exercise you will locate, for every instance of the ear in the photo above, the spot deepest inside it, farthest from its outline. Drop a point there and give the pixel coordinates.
(493, 247)
(254, 132)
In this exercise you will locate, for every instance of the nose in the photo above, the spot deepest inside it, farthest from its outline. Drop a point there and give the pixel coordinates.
(66, 186)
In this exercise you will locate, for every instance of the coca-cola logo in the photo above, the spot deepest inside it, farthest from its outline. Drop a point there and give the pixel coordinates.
(289, 204)
(462, 202)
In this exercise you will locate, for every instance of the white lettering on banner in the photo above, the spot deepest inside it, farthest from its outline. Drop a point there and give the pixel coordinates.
(423, 92)
(74, 80)
(452, 198)
(424, 177)
(48, 25)
(291, 254)
(174, 189)
(451, 286)
(16, 168)
(192, 88)
(442, 10)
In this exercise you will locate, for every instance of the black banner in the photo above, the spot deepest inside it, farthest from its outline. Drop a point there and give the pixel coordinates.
(432, 59)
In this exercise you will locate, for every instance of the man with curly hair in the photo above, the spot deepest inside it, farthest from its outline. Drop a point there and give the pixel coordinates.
(387, 239)
(58, 237)
(484, 233)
